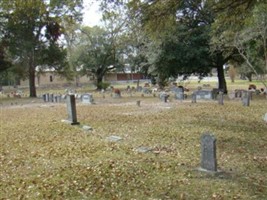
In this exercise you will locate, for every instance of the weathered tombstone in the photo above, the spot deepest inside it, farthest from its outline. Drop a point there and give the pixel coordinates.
(179, 93)
(215, 92)
(71, 108)
(204, 94)
(114, 138)
(208, 153)
(220, 98)
(44, 97)
(245, 98)
(87, 128)
(194, 97)
(231, 95)
(143, 149)
(47, 97)
(146, 90)
(87, 98)
(59, 98)
(51, 97)
(138, 103)
(164, 96)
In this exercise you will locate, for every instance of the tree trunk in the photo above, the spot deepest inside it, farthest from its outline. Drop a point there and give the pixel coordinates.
(249, 76)
(32, 81)
(99, 82)
(221, 79)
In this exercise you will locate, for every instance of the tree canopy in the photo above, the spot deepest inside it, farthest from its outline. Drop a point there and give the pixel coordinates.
(32, 29)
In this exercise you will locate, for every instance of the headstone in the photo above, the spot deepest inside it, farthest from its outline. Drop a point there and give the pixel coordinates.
(51, 97)
(146, 90)
(208, 153)
(215, 92)
(143, 149)
(114, 138)
(204, 94)
(238, 93)
(164, 96)
(87, 128)
(87, 98)
(47, 97)
(44, 97)
(138, 103)
(220, 98)
(59, 98)
(245, 98)
(194, 97)
(179, 93)
(231, 95)
(71, 108)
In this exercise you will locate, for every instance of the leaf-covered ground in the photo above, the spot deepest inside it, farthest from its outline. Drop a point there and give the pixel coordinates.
(43, 158)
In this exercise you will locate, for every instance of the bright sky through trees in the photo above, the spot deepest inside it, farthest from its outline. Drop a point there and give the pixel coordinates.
(92, 14)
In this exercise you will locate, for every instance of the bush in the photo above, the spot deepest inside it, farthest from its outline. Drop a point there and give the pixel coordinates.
(103, 85)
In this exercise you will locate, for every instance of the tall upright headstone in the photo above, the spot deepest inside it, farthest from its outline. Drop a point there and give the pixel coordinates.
(71, 108)
(44, 97)
(246, 98)
(208, 153)
(220, 98)
(47, 97)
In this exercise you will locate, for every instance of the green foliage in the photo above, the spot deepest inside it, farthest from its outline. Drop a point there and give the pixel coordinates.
(103, 85)
(32, 28)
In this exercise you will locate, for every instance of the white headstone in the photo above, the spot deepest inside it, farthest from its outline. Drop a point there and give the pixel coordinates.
(87, 98)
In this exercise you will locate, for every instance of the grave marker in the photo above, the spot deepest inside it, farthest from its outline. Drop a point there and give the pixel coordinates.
(203, 94)
(208, 153)
(87, 98)
(114, 138)
(71, 108)
(194, 97)
(44, 97)
(220, 98)
(179, 93)
(245, 98)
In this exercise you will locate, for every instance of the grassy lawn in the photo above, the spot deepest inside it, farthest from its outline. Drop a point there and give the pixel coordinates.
(44, 158)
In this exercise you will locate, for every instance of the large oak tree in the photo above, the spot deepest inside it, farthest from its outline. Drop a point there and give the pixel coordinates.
(32, 30)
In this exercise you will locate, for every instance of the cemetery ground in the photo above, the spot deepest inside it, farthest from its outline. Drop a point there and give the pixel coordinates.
(43, 158)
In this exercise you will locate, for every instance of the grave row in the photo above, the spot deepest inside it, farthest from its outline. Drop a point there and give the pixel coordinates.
(208, 141)
(57, 98)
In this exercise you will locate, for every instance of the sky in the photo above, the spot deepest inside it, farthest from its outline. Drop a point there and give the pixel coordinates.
(91, 14)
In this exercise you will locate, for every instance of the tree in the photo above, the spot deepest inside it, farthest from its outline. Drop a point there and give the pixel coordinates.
(33, 29)
(4, 62)
(98, 53)
(248, 37)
